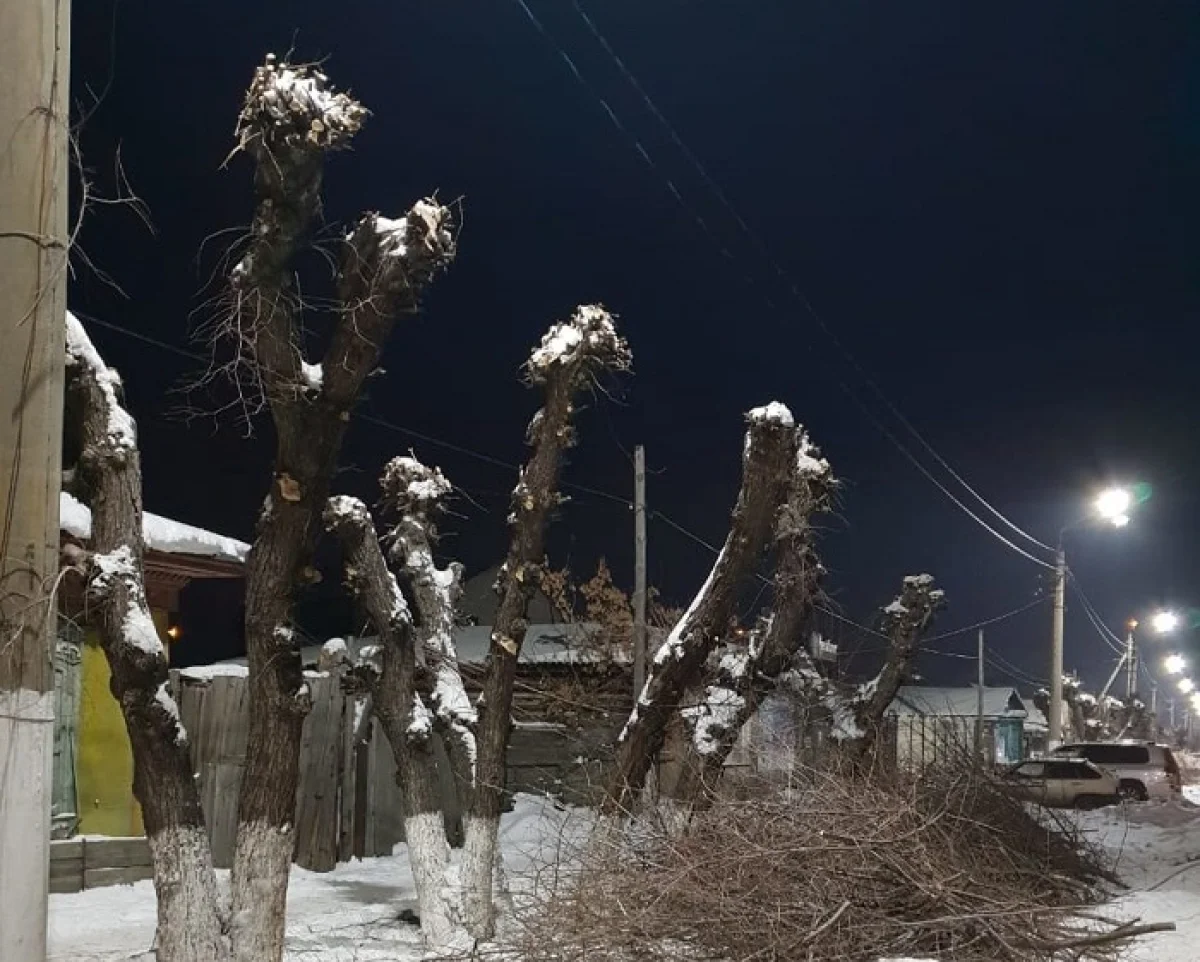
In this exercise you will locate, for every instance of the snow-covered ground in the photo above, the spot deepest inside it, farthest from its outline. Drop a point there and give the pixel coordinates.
(347, 915)
(351, 914)
(1157, 852)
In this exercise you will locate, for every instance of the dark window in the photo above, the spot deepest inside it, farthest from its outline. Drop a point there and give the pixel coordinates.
(1030, 770)
(1110, 754)
(1070, 771)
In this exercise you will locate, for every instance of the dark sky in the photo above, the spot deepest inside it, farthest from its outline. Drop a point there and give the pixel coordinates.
(994, 207)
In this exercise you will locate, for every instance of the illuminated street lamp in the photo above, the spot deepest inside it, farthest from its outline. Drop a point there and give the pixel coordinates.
(1174, 664)
(1186, 685)
(1113, 506)
(1165, 622)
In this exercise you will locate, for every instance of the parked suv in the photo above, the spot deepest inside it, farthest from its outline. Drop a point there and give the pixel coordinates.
(1063, 782)
(1145, 770)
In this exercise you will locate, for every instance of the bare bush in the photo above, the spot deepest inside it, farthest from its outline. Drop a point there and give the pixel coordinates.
(834, 866)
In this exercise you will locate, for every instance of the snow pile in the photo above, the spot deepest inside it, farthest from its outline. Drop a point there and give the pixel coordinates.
(426, 225)
(413, 487)
(347, 915)
(161, 534)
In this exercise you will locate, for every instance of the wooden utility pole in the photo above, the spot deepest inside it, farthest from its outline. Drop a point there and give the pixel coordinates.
(639, 576)
(34, 44)
(979, 701)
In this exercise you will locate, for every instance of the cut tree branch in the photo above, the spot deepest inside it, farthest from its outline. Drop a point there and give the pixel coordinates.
(769, 452)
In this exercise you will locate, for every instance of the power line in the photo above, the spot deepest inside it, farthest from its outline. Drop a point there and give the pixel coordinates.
(723, 198)
(990, 621)
(794, 287)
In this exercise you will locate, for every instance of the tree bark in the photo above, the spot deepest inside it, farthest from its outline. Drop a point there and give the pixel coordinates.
(769, 452)
(404, 717)
(417, 494)
(740, 675)
(905, 622)
(571, 354)
(290, 120)
(191, 925)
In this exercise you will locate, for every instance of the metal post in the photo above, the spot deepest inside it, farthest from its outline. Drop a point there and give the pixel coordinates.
(34, 45)
(1130, 665)
(639, 590)
(1056, 648)
(979, 702)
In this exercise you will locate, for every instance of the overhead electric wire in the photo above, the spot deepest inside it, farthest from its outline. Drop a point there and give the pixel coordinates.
(794, 287)
(990, 621)
(724, 200)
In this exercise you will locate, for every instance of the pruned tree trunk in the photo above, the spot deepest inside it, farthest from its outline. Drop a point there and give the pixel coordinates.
(738, 675)
(290, 119)
(191, 924)
(767, 464)
(390, 676)
(860, 719)
(570, 356)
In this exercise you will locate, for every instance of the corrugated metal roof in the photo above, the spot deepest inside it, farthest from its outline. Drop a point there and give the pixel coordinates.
(958, 702)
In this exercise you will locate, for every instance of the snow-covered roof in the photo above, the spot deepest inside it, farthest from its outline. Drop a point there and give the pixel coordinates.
(544, 645)
(161, 534)
(958, 702)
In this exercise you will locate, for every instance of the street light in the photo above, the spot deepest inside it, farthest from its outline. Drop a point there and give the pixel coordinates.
(1112, 505)
(1165, 622)
(1174, 664)
(1186, 685)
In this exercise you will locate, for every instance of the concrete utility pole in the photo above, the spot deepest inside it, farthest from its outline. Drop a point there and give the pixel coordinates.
(34, 45)
(1130, 662)
(639, 586)
(979, 702)
(1056, 648)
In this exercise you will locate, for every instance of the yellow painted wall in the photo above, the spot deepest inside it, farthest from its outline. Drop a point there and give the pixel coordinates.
(104, 762)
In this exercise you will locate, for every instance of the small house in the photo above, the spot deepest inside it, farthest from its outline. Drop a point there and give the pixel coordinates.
(93, 761)
(929, 724)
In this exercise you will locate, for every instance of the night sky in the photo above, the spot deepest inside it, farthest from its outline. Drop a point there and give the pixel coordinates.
(993, 207)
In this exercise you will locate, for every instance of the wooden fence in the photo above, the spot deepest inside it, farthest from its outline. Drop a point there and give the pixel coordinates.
(347, 801)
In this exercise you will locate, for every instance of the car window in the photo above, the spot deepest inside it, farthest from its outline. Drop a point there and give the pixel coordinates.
(1030, 770)
(1066, 771)
(1111, 754)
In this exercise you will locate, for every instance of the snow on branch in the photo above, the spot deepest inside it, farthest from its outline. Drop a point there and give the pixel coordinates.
(295, 107)
(417, 494)
(120, 431)
(586, 343)
(740, 673)
(768, 466)
(905, 621)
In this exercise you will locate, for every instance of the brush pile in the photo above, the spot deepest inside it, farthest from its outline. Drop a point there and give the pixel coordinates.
(841, 867)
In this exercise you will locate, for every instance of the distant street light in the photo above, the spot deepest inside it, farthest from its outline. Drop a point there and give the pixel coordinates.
(1113, 506)
(1186, 685)
(1165, 622)
(1174, 664)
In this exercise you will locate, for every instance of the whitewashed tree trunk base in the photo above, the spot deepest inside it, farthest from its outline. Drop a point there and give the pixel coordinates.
(478, 875)
(261, 866)
(437, 898)
(26, 758)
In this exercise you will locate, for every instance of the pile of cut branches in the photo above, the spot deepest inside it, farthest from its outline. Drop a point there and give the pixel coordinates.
(847, 868)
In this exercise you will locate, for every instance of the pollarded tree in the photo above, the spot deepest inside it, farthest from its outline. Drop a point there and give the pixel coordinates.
(412, 675)
(703, 687)
(290, 120)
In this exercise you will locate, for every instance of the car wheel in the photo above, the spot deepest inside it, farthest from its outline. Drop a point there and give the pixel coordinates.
(1133, 792)
(1085, 803)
